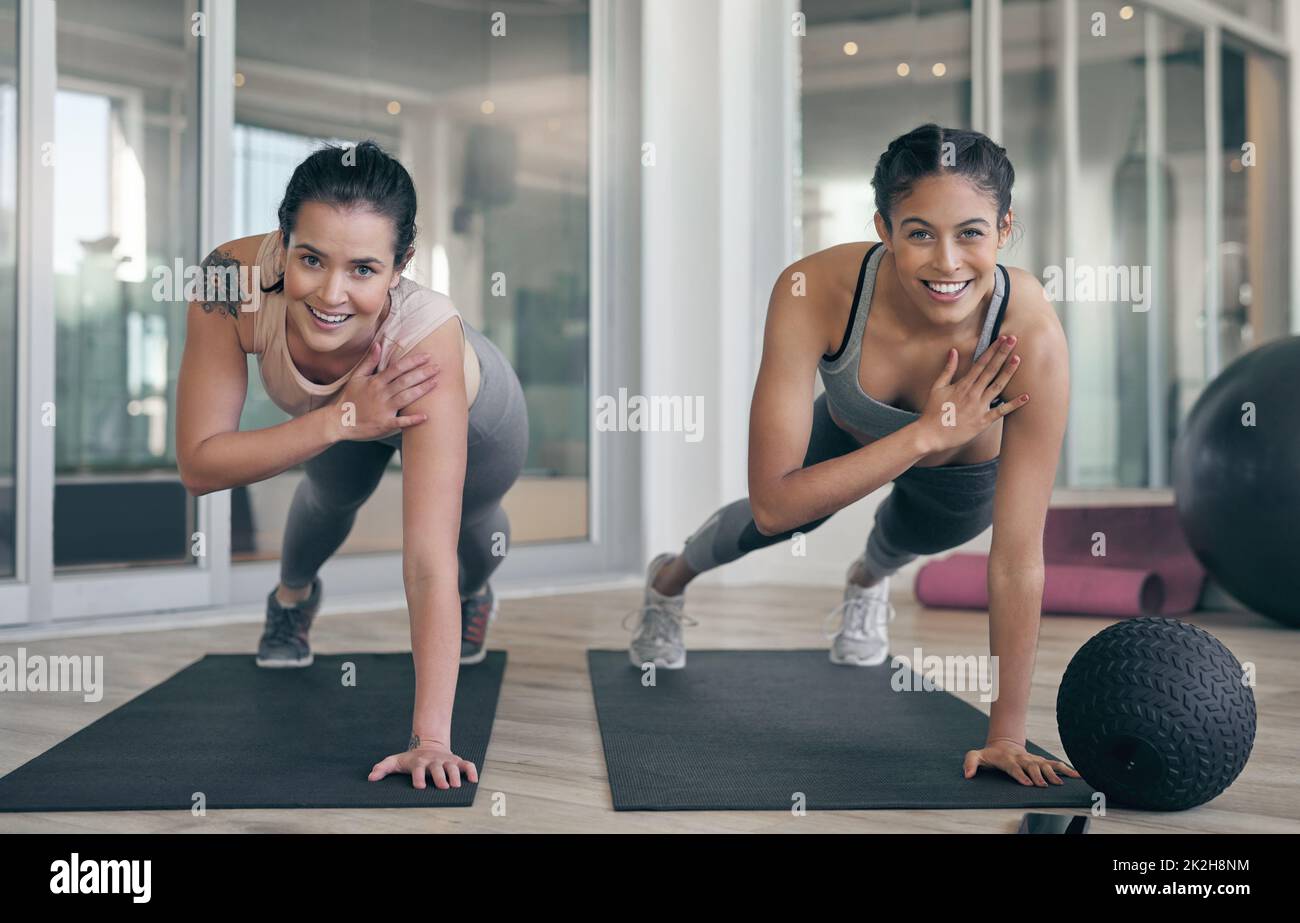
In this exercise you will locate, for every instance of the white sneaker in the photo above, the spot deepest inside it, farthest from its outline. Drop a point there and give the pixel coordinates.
(863, 636)
(658, 637)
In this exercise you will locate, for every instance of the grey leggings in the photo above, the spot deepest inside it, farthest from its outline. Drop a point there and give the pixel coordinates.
(342, 477)
(928, 511)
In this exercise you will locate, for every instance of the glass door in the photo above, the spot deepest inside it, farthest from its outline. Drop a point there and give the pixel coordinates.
(1254, 238)
(119, 224)
(1167, 137)
(125, 215)
(169, 131)
(93, 517)
(870, 71)
(497, 143)
(8, 289)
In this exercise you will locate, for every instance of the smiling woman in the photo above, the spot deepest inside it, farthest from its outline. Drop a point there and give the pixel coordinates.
(358, 355)
(307, 338)
(913, 319)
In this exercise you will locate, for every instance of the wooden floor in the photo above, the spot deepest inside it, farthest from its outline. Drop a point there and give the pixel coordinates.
(546, 755)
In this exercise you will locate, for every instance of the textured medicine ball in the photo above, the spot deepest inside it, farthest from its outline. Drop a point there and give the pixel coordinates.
(1154, 713)
(1237, 486)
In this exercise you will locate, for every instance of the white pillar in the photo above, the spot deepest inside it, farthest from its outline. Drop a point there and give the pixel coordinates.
(717, 225)
(681, 290)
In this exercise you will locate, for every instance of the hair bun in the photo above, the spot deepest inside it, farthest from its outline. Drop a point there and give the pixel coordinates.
(979, 159)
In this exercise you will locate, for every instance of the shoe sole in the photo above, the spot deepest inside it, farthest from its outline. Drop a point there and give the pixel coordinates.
(274, 664)
(659, 662)
(482, 654)
(858, 661)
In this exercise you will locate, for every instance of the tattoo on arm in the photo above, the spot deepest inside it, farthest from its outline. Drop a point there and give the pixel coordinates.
(414, 742)
(221, 283)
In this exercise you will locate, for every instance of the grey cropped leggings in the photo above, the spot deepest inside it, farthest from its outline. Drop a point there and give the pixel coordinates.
(928, 511)
(342, 477)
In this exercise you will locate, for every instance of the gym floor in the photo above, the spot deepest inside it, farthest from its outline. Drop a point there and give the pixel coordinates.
(546, 752)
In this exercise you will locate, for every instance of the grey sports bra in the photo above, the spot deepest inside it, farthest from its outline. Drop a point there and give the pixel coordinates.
(839, 371)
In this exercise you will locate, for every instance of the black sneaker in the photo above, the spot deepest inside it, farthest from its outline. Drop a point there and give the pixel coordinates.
(476, 613)
(284, 642)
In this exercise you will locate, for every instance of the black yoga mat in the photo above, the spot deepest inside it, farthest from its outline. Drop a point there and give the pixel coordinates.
(747, 730)
(250, 737)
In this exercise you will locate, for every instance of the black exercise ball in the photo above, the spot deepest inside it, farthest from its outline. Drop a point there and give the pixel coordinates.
(1237, 486)
(1154, 713)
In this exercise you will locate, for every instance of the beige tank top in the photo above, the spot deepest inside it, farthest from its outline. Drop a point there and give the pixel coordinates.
(416, 312)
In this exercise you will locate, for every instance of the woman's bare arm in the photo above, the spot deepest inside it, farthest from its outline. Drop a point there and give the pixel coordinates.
(433, 482)
(211, 453)
(784, 495)
(1031, 450)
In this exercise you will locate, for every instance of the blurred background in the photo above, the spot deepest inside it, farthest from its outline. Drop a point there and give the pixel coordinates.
(640, 171)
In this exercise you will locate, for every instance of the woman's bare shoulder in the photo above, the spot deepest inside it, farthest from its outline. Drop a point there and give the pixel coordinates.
(1029, 313)
(825, 282)
(242, 250)
(237, 256)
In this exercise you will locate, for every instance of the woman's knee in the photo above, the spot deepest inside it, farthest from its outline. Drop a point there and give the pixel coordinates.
(341, 493)
(485, 534)
(931, 536)
(751, 539)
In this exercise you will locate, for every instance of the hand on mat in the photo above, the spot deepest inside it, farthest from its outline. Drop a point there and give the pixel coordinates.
(378, 397)
(431, 758)
(948, 427)
(1017, 762)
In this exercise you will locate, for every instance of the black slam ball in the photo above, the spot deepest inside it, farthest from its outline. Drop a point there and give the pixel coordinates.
(1157, 714)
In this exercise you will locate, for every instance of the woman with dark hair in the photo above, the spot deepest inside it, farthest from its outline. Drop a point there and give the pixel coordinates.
(366, 362)
(923, 399)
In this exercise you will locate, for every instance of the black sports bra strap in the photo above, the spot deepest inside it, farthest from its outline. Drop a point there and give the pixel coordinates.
(1006, 299)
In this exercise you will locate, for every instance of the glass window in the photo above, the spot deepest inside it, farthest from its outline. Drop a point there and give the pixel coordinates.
(1182, 277)
(1121, 398)
(1031, 134)
(1109, 232)
(8, 283)
(1031, 131)
(1256, 187)
(123, 213)
(871, 71)
(1112, 377)
(494, 130)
